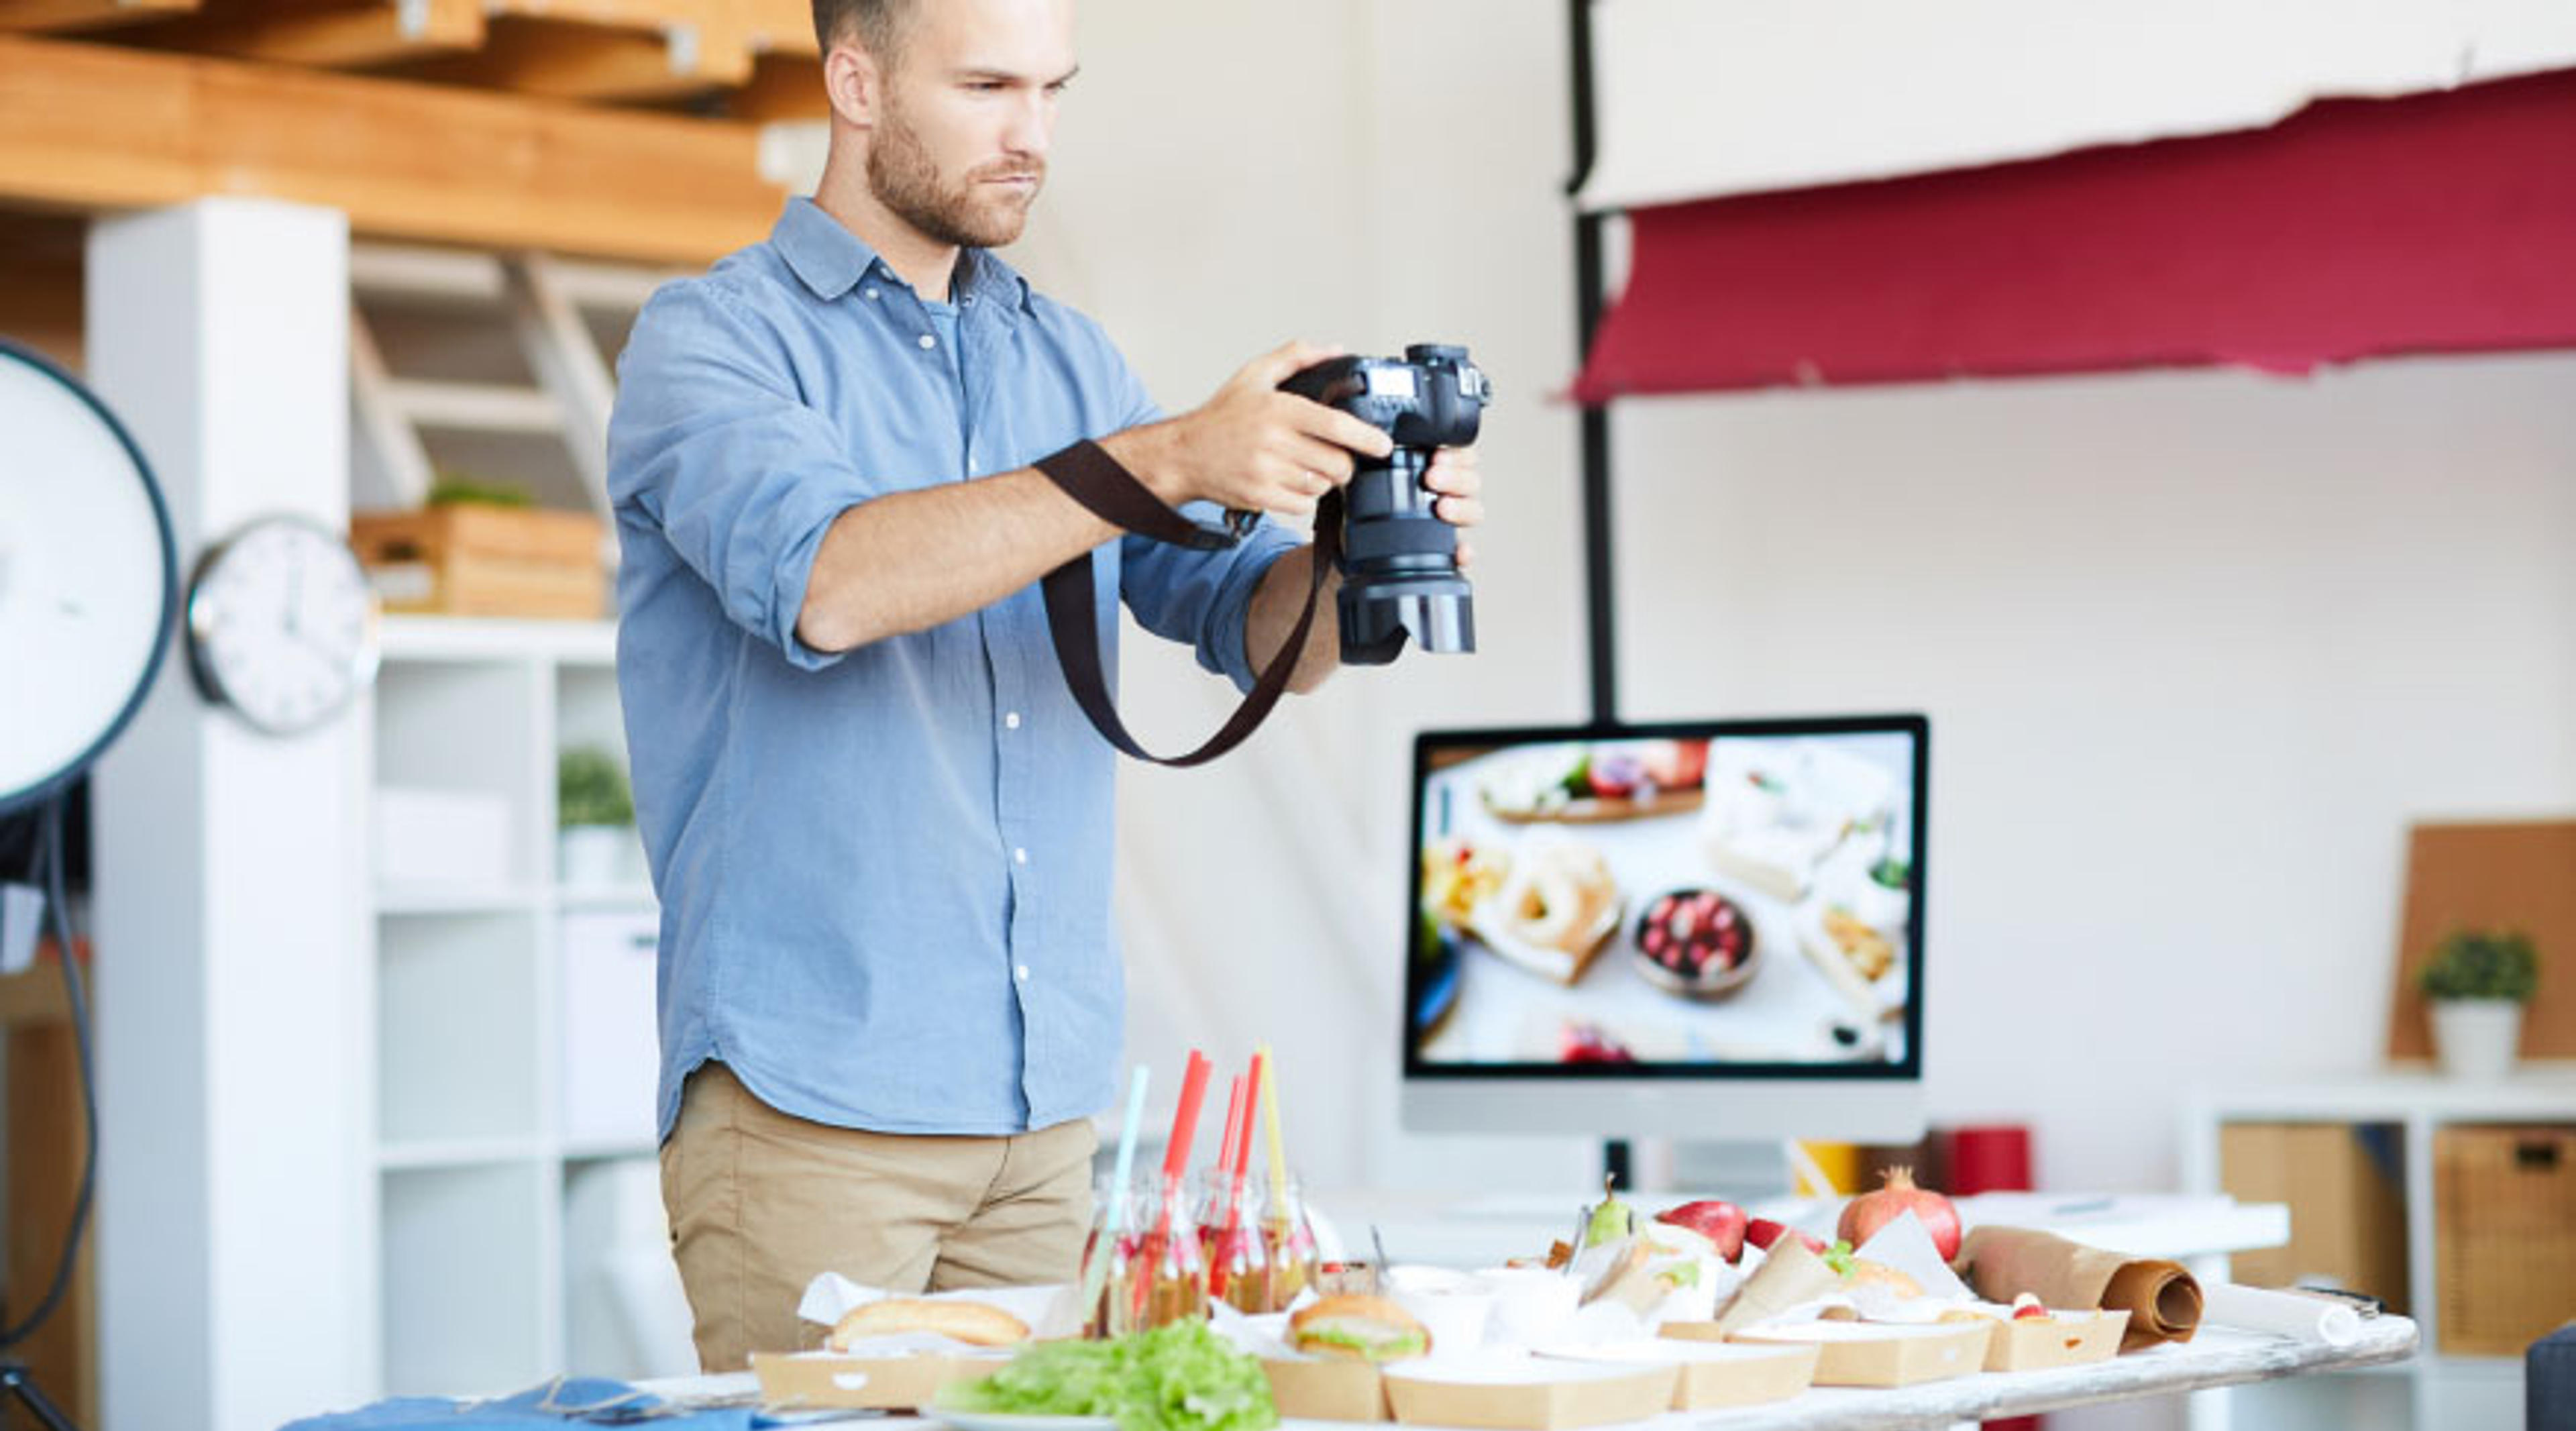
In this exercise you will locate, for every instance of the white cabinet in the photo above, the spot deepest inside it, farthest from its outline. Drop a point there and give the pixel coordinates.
(484, 983)
(2435, 1390)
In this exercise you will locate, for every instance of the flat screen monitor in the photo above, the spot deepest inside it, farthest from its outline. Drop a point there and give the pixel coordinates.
(1708, 929)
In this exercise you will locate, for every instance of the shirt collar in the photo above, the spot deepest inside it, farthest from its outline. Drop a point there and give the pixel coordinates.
(831, 260)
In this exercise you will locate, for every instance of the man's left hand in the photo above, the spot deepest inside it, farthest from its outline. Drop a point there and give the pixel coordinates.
(1453, 475)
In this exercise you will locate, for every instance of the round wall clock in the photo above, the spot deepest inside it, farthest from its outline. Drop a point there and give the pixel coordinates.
(282, 625)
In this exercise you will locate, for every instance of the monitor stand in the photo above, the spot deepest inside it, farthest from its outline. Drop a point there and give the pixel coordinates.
(1616, 1167)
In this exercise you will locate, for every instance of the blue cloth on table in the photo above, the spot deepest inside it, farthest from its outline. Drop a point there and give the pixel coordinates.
(564, 1401)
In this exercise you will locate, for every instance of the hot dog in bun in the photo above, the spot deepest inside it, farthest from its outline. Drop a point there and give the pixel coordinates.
(974, 1323)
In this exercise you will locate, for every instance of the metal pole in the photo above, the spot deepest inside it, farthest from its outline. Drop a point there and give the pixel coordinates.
(1600, 611)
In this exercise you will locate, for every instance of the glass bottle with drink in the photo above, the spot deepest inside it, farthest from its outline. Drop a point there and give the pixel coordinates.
(1230, 1238)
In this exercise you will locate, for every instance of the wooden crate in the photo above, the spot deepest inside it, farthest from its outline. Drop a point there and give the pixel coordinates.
(2346, 1196)
(43, 1166)
(2504, 1242)
(469, 560)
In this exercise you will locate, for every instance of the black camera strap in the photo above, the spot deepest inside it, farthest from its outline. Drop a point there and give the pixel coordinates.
(1110, 492)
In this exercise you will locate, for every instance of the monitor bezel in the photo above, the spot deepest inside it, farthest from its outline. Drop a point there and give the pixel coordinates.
(1906, 1070)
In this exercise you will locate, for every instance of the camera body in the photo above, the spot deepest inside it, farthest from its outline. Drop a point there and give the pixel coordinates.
(1399, 561)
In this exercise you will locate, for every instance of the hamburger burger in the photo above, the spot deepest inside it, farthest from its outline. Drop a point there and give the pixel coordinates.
(1360, 1328)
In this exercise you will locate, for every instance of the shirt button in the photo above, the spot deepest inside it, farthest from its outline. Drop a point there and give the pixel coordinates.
(1011, 721)
(1021, 973)
(1020, 855)
(928, 341)
(872, 293)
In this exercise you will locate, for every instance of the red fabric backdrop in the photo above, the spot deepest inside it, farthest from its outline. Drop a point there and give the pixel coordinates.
(2441, 222)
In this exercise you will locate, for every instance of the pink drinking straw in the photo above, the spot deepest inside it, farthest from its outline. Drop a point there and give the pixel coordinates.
(1235, 1104)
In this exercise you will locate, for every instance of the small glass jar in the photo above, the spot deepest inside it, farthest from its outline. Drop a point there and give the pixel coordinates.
(1111, 1208)
(1288, 1238)
(1230, 1239)
(1165, 1279)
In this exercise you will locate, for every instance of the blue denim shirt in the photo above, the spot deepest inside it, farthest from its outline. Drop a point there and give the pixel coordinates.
(885, 873)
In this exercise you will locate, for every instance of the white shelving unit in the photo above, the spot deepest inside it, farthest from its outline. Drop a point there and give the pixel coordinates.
(473, 1163)
(2434, 1390)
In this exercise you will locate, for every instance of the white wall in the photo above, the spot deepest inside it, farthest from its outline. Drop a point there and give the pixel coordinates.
(2196, 646)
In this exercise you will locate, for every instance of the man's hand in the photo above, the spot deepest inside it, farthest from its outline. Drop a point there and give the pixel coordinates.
(1252, 447)
(1453, 475)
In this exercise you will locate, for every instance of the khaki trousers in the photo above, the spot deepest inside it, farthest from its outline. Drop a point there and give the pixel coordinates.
(761, 1203)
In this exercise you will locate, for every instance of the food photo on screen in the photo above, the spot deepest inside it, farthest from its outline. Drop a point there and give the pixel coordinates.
(1731, 893)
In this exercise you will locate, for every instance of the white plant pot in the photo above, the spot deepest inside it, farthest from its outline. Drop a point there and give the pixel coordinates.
(2476, 1038)
(592, 855)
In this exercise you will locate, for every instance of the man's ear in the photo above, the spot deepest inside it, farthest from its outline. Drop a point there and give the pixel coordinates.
(852, 82)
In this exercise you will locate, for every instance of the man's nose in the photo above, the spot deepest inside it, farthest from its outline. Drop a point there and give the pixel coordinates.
(1032, 126)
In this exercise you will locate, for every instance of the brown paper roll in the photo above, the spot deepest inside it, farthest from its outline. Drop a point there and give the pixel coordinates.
(2162, 1300)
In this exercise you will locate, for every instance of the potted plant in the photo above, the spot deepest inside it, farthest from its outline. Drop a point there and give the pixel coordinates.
(594, 815)
(2477, 982)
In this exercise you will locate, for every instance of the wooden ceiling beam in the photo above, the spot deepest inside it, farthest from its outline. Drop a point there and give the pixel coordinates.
(96, 127)
(373, 33)
(781, 87)
(41, 15)
(581, 60)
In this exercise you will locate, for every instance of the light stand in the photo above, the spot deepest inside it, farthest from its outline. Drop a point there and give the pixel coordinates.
(89, 582)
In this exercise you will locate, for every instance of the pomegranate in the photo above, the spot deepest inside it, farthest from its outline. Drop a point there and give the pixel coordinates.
(1864, 1215)
(1762, 1232)
(1718, 1221)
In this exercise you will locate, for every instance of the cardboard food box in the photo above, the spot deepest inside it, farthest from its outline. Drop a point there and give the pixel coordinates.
(1714, 1375)
(1527, 1394)
(1879, 1354)
(2059, 1339)
(878, 1383)
(472, 559)
(1326, 1388)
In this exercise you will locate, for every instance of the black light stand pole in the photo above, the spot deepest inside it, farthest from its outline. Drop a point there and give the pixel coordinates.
(1599, 607)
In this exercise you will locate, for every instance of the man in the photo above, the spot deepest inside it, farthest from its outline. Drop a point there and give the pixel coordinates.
(879, 825)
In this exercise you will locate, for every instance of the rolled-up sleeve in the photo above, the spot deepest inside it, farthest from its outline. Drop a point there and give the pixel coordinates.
(710, 444)
(1183, 594)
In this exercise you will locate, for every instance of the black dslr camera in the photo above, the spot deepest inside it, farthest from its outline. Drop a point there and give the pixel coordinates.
(1399, 561)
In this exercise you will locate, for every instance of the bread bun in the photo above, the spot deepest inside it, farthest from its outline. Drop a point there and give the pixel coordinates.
(975, 1323)
(1359, 1328)
(1865, 1272)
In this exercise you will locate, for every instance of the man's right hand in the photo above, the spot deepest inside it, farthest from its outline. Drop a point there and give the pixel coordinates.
(1252, 447)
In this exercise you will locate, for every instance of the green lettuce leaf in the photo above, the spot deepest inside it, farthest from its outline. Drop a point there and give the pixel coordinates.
(1183, 1377)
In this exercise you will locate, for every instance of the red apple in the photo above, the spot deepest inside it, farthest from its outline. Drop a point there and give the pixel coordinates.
(1762, 1232)
(1719, 1221)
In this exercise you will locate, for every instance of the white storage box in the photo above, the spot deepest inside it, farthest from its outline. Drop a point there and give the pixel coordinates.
(611, 1052)
(441, 837)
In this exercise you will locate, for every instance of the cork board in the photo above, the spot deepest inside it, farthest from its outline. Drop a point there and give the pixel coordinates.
(2517, 876)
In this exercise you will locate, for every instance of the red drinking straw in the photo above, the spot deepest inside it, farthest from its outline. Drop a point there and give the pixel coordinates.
(1238, 1138)
(1243, 1137)
(1185, 1119)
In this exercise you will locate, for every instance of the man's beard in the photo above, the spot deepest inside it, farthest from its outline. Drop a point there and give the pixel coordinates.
(903, 177)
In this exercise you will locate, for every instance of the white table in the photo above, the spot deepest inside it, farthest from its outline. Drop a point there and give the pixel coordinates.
(2215, 1358)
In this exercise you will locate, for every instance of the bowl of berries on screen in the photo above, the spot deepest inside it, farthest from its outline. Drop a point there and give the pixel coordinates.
(1695, 942)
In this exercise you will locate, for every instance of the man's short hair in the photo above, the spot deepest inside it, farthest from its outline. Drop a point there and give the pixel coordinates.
(878, 25)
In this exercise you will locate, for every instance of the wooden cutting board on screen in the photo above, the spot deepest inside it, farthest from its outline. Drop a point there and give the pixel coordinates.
(2492, 876)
